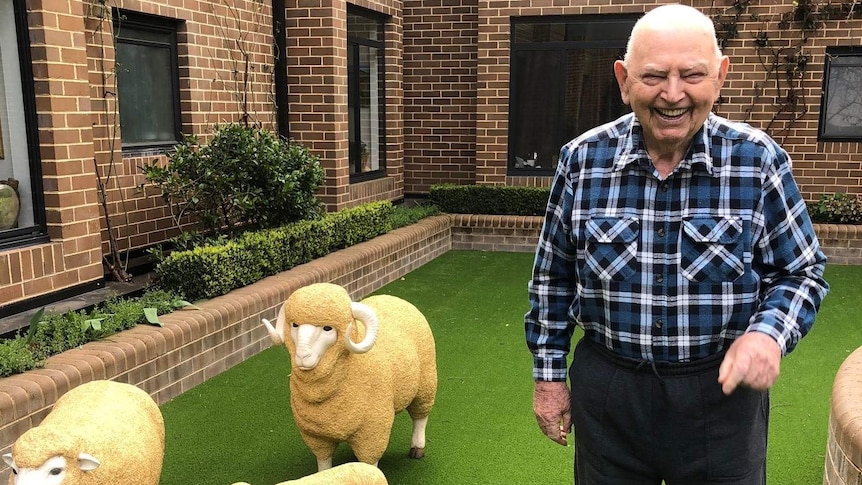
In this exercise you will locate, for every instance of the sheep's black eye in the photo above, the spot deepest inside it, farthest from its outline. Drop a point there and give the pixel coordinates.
(14, 471)
(55, 471)
(295, 325)
(327, 328)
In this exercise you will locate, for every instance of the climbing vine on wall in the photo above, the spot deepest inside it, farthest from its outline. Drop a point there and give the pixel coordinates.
(781, 42)
(99, 15)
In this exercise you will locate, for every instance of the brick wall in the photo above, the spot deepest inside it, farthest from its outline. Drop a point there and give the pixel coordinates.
(440, 48)
(66, 145)
(843, 464)
(819, 166)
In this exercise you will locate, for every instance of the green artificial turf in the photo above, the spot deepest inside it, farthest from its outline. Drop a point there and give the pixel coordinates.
(238, 426)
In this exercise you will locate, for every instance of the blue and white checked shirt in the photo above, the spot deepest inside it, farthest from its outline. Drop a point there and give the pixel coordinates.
(672, 270)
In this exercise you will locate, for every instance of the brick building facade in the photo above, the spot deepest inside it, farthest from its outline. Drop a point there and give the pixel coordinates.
(440, 109)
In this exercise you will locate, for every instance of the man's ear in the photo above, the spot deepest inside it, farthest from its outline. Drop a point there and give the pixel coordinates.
(622, 74)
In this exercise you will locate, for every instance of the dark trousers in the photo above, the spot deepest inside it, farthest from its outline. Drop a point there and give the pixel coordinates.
(638, 423)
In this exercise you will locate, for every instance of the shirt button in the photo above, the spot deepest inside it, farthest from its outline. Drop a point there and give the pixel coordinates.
(658, 324)
(660, 232)
(664, 187)
(659, 278)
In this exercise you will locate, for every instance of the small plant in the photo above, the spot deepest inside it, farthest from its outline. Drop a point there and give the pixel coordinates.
(53, 333)
(839, 208)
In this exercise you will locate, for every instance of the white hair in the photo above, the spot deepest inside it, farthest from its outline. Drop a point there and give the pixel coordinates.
(673, 16)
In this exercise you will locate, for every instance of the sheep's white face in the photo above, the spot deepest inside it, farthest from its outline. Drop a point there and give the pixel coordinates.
(311, 342)
(52, 472)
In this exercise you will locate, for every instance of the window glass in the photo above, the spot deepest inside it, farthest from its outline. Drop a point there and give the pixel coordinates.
(20, 188)
(147, 82)
(562, 84)
(365, 95)
(841, 106)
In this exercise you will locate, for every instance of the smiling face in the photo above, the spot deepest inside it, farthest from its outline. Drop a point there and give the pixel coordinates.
(671, 78)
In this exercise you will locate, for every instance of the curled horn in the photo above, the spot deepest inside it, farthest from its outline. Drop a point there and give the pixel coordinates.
(366, 315)
(276, 333)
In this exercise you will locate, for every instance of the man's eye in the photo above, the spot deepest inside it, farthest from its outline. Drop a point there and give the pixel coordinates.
(651, 79)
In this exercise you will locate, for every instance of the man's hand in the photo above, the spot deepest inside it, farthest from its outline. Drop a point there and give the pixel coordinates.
(753, 361)
(551, 406)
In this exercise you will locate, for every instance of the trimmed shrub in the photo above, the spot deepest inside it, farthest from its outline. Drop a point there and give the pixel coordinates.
(490, 199)
(217, 269)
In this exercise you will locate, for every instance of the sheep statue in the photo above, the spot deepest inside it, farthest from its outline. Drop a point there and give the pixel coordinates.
(354, 366)
(356, 473)
(99, 433)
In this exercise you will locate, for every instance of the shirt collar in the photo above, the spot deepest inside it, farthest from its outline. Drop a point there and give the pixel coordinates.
(634, 152)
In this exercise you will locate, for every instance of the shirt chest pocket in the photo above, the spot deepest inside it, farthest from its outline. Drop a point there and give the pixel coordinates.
(611, 247)
(711, 249)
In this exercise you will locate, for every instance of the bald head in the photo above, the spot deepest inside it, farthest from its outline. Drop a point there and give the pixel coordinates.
(673, 18)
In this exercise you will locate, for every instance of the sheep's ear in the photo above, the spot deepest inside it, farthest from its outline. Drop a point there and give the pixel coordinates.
(8, 459)
(87, 462)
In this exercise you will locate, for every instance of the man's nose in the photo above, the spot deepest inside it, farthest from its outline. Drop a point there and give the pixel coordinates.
(673, 91)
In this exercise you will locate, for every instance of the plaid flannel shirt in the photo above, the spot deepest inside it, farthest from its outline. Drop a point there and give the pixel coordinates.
(672, 270)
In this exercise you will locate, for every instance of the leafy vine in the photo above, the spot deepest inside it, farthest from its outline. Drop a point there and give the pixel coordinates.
(784, 62)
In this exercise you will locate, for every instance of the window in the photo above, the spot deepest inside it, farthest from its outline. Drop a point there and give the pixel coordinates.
(562, 84)
(366, 100)
(147, 80)
(841, 105)
(22, 214)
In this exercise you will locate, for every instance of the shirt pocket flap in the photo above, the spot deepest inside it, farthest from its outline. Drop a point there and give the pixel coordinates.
(721, 230)
(612, 229)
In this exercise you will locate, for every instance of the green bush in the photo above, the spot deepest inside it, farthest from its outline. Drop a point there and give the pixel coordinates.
(16, 357)
(490, 199)
(219, 268)
(404, 216)
(837, 208)
(245, 177)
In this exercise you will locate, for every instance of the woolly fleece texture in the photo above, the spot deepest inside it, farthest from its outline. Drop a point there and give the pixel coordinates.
(356, 473)
(119, 424)
(353, 398)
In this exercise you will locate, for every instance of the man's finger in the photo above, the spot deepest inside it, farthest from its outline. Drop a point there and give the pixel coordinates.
(734, 372)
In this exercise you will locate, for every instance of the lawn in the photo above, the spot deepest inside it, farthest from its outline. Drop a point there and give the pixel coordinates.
(238, 426)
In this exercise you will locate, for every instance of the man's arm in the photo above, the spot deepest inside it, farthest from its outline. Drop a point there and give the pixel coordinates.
(790, 262)
(547, 326)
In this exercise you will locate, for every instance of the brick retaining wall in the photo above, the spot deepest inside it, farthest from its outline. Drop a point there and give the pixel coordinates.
(195, 345)
(844, 441)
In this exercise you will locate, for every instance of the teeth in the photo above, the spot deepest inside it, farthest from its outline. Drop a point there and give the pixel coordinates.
(672, 112)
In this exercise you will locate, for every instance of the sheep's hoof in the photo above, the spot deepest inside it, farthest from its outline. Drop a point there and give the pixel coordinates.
(416, 453)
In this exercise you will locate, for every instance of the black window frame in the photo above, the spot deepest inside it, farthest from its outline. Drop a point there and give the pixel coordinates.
(354, 152)
(38, 232)
(834, 57)
(561, 47)
(162, 25)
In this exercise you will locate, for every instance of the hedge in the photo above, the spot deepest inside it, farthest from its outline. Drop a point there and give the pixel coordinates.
(490, 199)
(218, 269)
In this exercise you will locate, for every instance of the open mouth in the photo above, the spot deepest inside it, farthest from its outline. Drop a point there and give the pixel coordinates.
(671, 114)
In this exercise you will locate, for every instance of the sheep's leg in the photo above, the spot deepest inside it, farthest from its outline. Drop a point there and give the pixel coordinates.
(417, 442)
(322, 448)
(324, 464)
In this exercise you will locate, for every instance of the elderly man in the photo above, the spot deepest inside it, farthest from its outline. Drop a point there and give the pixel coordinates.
(678, 241)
